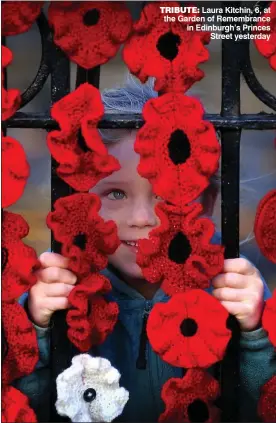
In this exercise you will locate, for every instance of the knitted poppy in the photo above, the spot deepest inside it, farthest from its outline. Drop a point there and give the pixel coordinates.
(77, 147)
(265, 225)
(166, 50)
(18, 17)
(86, 238)
(268, 47)
(15, 171)
(191, 398)
(269, 318)
(19, 261)
(15, 407)
(78, 27)
(190, 330)
(20, 334)
(92, 317)
(179, 252)
(10, 98)
(179, 151)
(267, 403)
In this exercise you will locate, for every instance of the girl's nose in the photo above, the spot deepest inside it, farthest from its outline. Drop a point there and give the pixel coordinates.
(142, 215)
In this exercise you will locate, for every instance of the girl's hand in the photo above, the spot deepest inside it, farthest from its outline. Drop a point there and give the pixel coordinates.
(240, 290)
(50, 293)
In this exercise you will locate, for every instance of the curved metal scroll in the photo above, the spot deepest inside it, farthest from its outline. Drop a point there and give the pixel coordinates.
(44, 67)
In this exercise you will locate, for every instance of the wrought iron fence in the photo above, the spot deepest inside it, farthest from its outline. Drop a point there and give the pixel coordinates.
(235, 63)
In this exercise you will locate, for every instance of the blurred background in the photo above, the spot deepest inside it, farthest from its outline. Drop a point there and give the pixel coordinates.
(258, 153)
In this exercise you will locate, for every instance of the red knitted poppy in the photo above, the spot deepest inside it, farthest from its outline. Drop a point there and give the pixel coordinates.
(22, 354)
(86, 238)
(179, 151)
(179, 252)
(15, 171)
(268, 47)
(10, 98)
(166, 50)
(15, 407)
(267, 403)
(190, 330)
(78, 148)
(78, 27)
(92, 318)
(269, 318)
(19, 261)
(191, 398)
(265, 225)
(18, 17)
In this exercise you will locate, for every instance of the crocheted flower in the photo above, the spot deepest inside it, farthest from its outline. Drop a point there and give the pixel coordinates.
(265, 225)
(19, 261)
(18, 17)
(10, 98)
(92, 318)
(179, 252)
(15, 171)
(22, 353)
(89, 390)
(179, 151)
(267, 403)
(15, 407)
(86, 238)
(166, 50)
(268, 47)
(77, 147)
(190, 330)
(191, 398)
(78, 27)
(269, 318)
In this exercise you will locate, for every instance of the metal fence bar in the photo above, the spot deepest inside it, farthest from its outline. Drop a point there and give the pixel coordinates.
(60, 345)
(230, 180)
(263, 121)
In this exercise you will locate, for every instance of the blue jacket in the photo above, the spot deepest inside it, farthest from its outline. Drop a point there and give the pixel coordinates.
(122, 349)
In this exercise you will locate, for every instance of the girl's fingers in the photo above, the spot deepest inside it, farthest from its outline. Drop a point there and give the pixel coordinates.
(58, 290)
(231, 280)
(53, 260)
(236, 308)
(56, 303)
(230, 294)
(56, 274)
(239, 265)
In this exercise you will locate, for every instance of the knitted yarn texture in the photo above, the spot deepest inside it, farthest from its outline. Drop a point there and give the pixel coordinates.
(89, 390)
(77, 147)
(79, 25)
(165, 50)
(179, 151)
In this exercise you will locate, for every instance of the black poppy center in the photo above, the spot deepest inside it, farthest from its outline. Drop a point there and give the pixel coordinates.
(179, 248)
(179, 147)
(91, 17)
(80, 241)
(4, 258)
(188, 327)
(81, 143)
(198, 411)
(168, 44)
(89, 395)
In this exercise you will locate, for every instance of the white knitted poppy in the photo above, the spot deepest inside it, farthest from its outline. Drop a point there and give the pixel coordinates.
(89, 391)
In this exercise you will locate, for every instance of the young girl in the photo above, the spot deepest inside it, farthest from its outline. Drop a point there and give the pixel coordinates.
(128, 199)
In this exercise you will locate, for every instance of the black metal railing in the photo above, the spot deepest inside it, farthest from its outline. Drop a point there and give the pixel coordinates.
(236, 63)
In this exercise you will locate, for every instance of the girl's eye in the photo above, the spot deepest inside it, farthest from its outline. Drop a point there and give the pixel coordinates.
(157, 197)
(116, 194)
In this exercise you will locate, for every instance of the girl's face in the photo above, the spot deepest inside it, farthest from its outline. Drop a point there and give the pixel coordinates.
(127, 199)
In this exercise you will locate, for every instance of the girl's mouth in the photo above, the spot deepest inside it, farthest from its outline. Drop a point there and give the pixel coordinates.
(132, 245)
